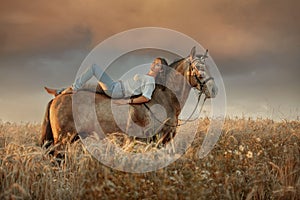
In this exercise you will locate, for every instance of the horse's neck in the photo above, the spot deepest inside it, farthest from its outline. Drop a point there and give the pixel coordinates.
(179, 84)
(185, 93)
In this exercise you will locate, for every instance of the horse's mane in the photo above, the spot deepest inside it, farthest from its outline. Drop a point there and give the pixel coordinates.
(176, 62)
(162, 77)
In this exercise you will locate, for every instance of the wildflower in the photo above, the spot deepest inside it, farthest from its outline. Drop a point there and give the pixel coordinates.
(241, 148)
(204, 174)
(260, 152)
(238, 172)
(249, 154)
(236, 152)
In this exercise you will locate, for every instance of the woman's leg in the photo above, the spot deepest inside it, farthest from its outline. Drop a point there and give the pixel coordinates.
(104, 79)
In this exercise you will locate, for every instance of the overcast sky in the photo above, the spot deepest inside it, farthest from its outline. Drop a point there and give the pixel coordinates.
(255, 44)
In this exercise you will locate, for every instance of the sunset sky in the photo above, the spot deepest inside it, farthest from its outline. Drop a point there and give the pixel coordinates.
(255, 44)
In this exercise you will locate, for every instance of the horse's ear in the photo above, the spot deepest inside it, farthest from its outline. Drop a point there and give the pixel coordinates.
(193, 53)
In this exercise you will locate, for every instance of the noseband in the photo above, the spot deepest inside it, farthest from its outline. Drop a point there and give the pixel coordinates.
(202, 83)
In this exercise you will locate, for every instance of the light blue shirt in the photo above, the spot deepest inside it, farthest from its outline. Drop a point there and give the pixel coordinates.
(140, 84)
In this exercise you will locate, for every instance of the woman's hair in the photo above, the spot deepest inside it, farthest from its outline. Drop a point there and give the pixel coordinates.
(163, 61)
(160, 79)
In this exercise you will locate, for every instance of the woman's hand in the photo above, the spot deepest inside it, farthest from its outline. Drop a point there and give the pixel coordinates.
(137, 100)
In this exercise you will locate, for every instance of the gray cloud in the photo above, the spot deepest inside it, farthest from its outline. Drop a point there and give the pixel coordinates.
(254, 43)
(229, 27)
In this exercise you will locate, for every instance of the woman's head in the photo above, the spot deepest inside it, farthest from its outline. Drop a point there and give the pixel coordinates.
(161, 65)
(158, 64)
(162, 61)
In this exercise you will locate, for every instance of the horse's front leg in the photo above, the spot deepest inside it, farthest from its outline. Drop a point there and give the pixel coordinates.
(138, 121)
(167, 132)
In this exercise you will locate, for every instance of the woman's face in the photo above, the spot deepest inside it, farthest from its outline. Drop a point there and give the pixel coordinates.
(156, 66)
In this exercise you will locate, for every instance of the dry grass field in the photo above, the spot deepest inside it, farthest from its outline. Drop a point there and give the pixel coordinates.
(253, 159)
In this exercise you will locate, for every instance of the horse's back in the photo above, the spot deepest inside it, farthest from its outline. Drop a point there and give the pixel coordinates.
(81, 112)
(86, 112)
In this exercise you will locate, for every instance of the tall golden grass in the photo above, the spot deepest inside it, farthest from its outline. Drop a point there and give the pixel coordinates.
(253, 159)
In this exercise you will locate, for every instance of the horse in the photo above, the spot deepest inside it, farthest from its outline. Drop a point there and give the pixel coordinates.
(159, 116)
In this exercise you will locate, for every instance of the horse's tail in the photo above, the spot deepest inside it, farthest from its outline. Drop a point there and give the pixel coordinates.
(47, 135)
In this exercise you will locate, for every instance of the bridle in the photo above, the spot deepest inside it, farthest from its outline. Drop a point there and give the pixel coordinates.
(201, 60)
(202, 84)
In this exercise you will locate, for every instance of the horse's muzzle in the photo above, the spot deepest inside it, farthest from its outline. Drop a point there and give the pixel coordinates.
(212, 92)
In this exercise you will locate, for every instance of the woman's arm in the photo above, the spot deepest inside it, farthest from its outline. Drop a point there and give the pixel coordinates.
(137, 100)
(140, 99)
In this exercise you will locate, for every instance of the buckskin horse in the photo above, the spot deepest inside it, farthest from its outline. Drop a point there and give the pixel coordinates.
(97, 110)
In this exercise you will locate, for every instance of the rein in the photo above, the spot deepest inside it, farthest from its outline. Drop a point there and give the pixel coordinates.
(185, 121)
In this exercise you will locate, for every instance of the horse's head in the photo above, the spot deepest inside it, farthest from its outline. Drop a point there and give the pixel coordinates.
(197, 74)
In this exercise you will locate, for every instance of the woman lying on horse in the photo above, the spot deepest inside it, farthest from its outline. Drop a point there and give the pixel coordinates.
(141, 85)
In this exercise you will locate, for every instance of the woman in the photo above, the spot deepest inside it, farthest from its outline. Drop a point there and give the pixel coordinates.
(141, 85)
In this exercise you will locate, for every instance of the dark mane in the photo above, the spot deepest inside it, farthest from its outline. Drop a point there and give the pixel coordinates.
(160, 80)
(175, 63)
